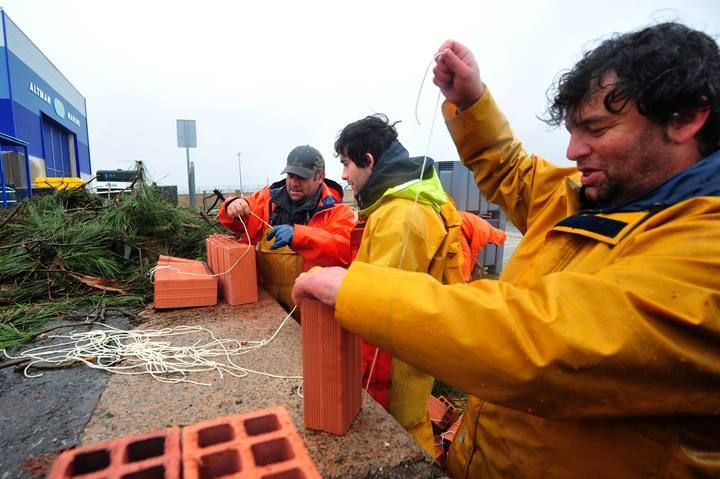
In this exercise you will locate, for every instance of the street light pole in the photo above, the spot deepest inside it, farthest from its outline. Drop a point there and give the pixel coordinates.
(191, 180)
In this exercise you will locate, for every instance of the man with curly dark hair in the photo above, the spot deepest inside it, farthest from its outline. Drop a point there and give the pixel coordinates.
(597, 354)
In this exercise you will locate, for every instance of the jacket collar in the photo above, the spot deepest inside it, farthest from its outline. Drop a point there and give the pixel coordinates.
(428, 191)
(394, 167)
(326, 196)
(611, 225)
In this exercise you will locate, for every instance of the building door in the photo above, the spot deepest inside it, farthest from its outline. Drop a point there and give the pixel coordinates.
(59, 149)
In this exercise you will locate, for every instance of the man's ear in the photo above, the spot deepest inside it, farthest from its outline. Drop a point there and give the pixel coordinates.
(682, 131)
(370, 160)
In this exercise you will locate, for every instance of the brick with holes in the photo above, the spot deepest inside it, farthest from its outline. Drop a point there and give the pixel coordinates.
(262, 443)
(153, 454)
(236, 265)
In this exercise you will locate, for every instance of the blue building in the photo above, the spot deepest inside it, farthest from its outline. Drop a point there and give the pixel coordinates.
(43, 119)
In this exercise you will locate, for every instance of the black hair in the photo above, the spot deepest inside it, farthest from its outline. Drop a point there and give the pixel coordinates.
(669, 71)
(373, 134)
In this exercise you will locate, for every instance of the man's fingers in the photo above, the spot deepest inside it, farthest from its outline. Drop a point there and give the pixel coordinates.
(442, 74)
(453, 62)
(238, 208)
(299, 291)
(447, 45)
(244, 207)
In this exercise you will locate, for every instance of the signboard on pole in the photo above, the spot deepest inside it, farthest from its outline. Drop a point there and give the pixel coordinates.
(186, 137)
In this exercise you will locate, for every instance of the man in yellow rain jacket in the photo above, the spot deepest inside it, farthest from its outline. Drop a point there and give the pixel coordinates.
(406, 221)
(597, 353)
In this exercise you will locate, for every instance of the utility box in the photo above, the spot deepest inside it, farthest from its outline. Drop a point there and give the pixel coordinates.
(459, 183)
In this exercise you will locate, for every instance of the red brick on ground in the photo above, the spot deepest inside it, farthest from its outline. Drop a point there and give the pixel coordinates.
(149, 455)
(183, 283)
(262, 443)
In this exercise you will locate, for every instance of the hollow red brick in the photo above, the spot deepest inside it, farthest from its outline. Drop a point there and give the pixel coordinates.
(150, 455)
(449, 435)
(181, 283)
(437, 407)
(332, 381)
(442, 412)
(235, 264)
(262, 443)
(449, 418)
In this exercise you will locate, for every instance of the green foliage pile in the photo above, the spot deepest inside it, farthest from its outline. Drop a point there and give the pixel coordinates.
(73, 249)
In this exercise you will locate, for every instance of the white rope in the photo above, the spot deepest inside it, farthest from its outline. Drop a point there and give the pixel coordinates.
(417, 194)
(150, 352)
(417, 101)
(256, 216)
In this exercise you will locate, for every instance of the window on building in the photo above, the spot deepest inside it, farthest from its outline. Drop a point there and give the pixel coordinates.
(58, 149)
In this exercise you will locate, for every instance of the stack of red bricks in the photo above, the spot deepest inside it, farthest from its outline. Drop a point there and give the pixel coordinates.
(183, 283)
(332, 379)
(234, 262)
(261, 444)
(446, 420)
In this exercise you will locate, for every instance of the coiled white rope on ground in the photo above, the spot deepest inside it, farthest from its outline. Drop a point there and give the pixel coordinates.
(150, 351)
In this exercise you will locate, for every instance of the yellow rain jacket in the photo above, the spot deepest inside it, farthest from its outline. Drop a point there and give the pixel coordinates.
(422, 236)
(597, 353)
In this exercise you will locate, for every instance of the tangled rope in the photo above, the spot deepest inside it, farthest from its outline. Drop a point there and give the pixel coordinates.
(150, 352)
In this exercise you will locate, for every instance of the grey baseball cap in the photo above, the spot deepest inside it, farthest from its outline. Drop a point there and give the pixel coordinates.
(304, 161)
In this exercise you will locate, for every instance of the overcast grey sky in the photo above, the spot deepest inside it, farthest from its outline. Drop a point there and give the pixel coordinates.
(262, 77)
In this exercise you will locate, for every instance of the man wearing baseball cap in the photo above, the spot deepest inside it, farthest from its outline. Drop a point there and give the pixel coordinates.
(308, 223)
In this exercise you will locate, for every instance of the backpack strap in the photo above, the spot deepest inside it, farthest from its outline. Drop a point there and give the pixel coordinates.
(446, 265)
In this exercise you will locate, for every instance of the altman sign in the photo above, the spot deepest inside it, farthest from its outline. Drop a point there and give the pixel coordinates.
(40, 93)
(57, 104)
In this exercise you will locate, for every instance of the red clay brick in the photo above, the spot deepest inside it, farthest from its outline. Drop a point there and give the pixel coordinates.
(449, 435)
(235, 264)
(150, 455)
(437, 408)
(332, 381)
(181, 283)
(262, 443)
(442, 412)
(449, 418)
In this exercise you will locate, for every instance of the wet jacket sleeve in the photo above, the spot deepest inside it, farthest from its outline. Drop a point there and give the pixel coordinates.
(325, 240)
(505, 173)
(639, 337)
(259, 203)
